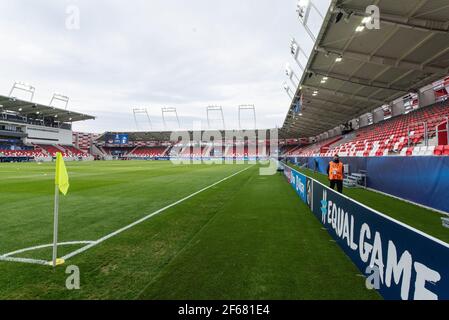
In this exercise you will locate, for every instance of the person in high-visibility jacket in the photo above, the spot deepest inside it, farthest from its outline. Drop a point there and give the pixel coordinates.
(336, 173)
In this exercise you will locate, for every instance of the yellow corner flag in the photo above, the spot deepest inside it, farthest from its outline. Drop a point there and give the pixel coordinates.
(61, 177)
(61, 185)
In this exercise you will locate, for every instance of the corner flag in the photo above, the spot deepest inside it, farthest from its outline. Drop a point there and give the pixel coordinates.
(61, 177)
(61, 185)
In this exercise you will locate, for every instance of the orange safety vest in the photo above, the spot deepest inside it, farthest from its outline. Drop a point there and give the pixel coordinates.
(335, 171)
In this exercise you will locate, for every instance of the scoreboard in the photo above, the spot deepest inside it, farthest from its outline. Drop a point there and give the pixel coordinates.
(117, 139)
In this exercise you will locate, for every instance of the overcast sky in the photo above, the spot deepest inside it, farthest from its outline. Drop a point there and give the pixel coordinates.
(153, 54)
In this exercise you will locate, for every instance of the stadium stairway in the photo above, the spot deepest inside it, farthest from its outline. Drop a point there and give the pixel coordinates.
(97, 151)
(167, 151)
(132, 151)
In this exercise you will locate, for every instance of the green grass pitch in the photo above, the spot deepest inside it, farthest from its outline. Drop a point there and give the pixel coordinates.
(249, 237)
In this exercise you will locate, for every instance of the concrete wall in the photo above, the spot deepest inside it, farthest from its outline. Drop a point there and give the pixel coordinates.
(426, 96)
(364, 121)
(398, 108)
(378, 115)
(45, 135)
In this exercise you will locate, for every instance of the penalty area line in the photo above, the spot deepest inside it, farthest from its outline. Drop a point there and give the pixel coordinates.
(112, 234)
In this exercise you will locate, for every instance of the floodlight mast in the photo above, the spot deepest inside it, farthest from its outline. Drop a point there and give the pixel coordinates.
(295, 49)
(22, 86)
(287, 89)
(168, 111)
(59, 97)
(291, 74)
(215, 109)
(143, 111)
(303, 9)
(247, 107)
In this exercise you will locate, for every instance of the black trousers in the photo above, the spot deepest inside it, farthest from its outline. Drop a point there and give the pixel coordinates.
(338, 183)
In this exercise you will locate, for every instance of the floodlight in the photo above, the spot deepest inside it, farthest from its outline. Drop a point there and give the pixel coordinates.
(22, 86)
(303, 10)
(170, 111)
(294, 48)
(218, 110)
(247, 107)
(59, 97)
(142, 111)
(288, 71)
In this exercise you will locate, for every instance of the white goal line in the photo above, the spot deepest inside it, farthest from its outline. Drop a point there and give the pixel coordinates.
(9, 257)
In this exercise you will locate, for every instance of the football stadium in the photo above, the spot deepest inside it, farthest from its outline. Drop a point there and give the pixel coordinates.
(248, 210)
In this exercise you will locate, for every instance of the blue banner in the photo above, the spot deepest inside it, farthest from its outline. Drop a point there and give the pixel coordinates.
(423, 180)
(300, 183)
(398, 260)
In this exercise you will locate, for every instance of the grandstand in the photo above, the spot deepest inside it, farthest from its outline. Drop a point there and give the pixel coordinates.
(414, 133)
(371, 76)
(31, 131)
(378, 97)
(148, 152)
(158, 145)
(396, 91)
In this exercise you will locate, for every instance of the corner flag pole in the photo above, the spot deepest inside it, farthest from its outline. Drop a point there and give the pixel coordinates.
(55, 226)
(61, 185)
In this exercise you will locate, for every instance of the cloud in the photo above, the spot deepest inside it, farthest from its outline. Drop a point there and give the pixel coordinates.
(153, 54)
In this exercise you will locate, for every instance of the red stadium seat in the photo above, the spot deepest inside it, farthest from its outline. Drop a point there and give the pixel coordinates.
(394, 135)
(439, 150)
(152, 152)
(446, 151)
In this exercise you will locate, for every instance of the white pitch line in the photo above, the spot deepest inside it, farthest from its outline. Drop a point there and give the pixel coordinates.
(71, 243)
(24, 260)
(89, 246)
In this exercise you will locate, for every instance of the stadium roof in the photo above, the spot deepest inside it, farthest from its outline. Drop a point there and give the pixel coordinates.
(27, 108)
(140, 136)
(166, 135)
(408, 52)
